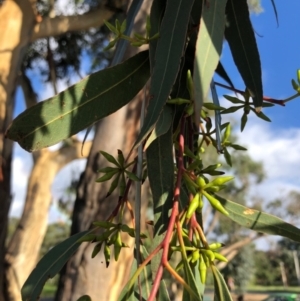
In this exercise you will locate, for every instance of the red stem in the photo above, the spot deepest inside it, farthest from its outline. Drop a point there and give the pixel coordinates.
(174, 214)
(265, 98)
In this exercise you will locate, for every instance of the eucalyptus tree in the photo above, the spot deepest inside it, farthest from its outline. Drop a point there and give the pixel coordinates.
(185, 43)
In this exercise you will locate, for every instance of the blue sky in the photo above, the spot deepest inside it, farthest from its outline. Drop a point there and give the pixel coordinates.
(279, 51)
(277, 144)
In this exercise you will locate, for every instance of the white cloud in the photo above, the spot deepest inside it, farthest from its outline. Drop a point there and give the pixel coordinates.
(279, 150)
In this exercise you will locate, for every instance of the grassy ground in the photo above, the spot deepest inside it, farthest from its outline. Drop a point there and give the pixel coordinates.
(274, 289)
(49, 290)
(255, 293)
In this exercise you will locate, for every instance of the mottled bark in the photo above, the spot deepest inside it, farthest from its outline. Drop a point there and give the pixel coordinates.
(14, 36)
(23, 249)
(82, 274)
(20, 25)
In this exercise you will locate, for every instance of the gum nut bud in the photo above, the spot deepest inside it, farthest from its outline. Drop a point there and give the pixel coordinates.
(221, 180)
(193, 206)
(201, 182)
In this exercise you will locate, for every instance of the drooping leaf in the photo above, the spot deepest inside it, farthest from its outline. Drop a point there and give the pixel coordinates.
(227, 157)
(212, 106)
(136, 290)
(244, 120)
(193, 294)
(221, 290)
(161, 177)
(79, 106)
(263, 116)
(222, 73)
(208, 49)
(156, 15)
(162, 126)
(241, 39)
(259, 221)
(238, 147)
(168, 54)
(231, 109)
(275, 11)
(218, 118)
(234, 100)
(49, 266)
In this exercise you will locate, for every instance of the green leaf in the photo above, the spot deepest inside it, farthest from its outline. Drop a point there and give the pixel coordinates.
(244, 120)
(212, 106)
(111, 27)
(267, 105)
(227, 157)
(110, 158)
(162, 126)
(234, 100)
(97, 249)
(231, 110)
(259, 221)
(168, 56)
(132, 176)
(156, 14)
(131, 291)
(222, 73)
(263, 116)
(193, 293)
(49, 266)
(221, 290)
(161, 177)
(79, 106)
(113, 185)
(122, 44)
(241, 39)
(107, 169)
(208, 49)
(107, 176)
(237, 147)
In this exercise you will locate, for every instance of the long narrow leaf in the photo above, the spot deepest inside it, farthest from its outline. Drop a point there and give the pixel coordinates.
(259, 221)
(241, 39)
(140, 290)
(162, 126)
(76, 108)
(49, 266)
(169, 51)
(156, 15)
(161, 177)
(221, 290)
(275, 11)
(208, 49)
(122, 44)
(193, 294)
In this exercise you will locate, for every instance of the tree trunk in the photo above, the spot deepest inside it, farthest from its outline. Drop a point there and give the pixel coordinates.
(14, 35)
(82, 274)
(23, 250)
(20, 26)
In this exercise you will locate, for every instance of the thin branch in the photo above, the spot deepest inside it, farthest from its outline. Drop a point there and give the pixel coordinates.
(63, 24)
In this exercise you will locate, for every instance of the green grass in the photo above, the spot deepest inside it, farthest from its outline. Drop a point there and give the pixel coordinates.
(49, 290)
(274, 289)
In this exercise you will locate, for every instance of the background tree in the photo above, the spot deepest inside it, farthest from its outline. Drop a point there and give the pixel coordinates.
(24, 23)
